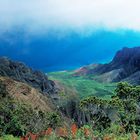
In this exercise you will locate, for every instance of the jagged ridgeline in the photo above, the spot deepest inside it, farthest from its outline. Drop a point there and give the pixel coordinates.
(20, 72)
(125, 66)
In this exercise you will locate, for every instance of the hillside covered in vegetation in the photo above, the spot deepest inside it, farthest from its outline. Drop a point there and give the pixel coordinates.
(75, 106)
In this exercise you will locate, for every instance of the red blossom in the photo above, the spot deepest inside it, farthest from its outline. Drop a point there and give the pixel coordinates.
(86, 132)
(74, 130)
(62, 132)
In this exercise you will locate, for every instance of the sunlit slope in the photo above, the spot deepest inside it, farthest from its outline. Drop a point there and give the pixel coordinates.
(82, 85)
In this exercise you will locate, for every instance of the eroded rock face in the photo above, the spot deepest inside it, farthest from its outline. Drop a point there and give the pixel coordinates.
(125, 66)
(128, 60)
(20, 72)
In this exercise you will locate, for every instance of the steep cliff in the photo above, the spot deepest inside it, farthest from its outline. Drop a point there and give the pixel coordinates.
(20, 72)
(125, 66)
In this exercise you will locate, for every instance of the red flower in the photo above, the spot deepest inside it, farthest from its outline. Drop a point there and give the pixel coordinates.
(29, 136)
(33, 136)
(86, 132)
(62, 132)
(74, 130)
(49, 131)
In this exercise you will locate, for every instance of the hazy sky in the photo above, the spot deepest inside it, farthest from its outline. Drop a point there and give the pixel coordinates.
(77, 14)
(57, 34)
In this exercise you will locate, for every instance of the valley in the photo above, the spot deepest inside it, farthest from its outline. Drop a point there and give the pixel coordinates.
(83, 86)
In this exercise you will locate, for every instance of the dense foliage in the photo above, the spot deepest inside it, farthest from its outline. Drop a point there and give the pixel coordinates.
(116, 117)
(123, 109)
(18, 118)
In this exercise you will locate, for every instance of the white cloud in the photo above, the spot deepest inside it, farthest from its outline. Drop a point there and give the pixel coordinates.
(78, 14)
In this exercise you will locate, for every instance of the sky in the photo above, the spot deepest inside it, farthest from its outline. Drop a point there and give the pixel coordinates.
(41, 32)
(72, 13)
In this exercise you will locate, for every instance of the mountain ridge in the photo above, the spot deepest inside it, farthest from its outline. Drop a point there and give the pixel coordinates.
(20, 72)
(125, 63)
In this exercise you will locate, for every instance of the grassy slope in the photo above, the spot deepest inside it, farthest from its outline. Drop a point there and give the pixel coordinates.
(83, 85)
(24, 93)
(9, 137)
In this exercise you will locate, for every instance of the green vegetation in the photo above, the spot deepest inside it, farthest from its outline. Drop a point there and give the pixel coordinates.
(114, 116)
(9, 137)
(121, 111)
(3, 91)
(83, 86)
(113, 108)
(85, 132)
(18, 118)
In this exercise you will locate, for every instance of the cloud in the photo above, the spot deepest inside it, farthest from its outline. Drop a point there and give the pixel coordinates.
(74, 14)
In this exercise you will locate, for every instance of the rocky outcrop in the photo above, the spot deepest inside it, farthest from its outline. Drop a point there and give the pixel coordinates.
(20, 72)
(125, 66)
